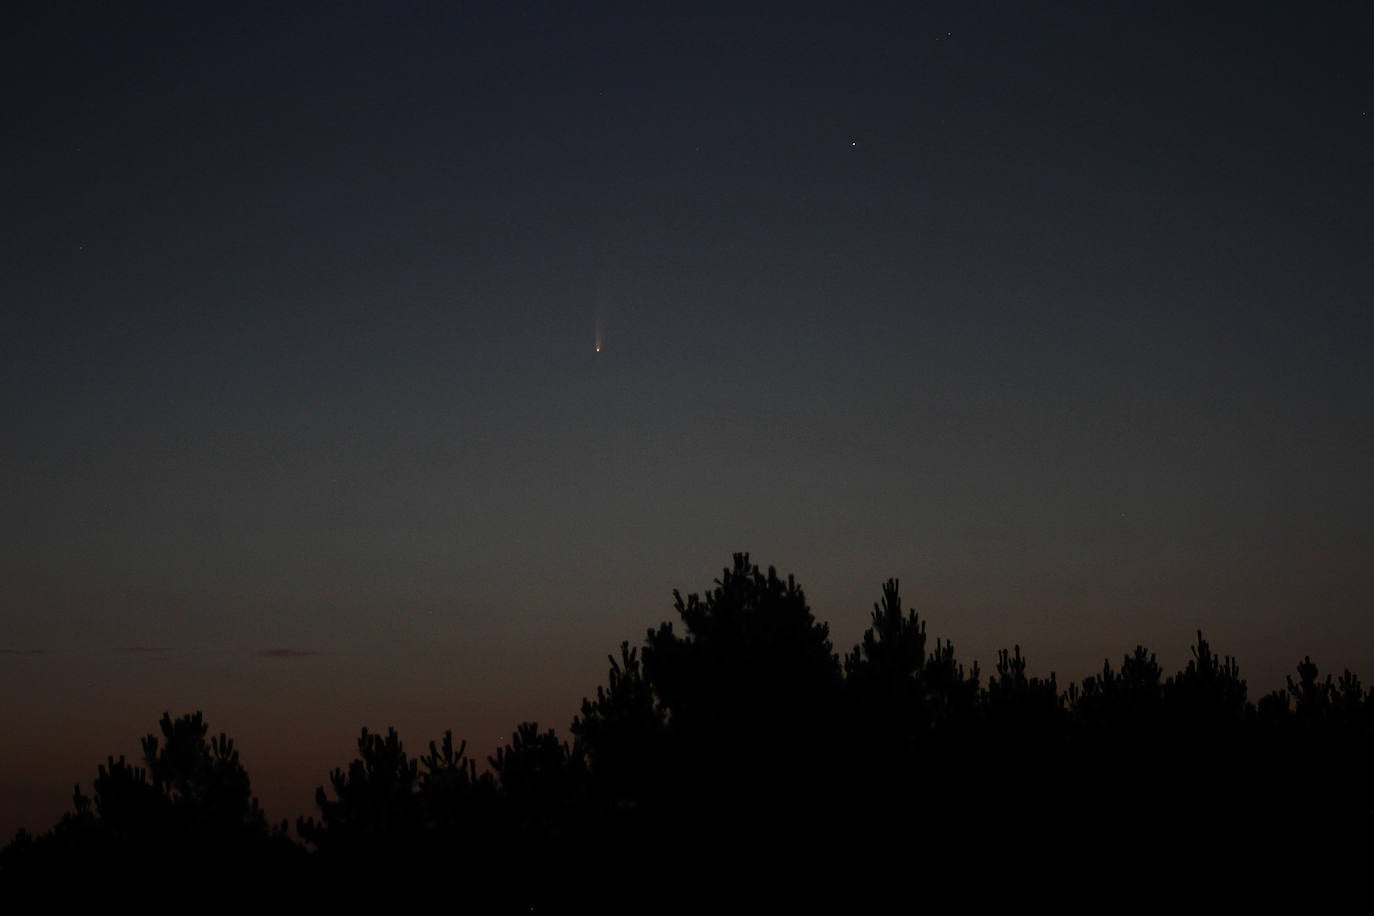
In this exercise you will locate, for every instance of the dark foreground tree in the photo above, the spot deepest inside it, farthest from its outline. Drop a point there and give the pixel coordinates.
(733, 763)
(509, 836)
(375, 812)
(623, 733)
(753, 664)
(751, 690)
(188, 808)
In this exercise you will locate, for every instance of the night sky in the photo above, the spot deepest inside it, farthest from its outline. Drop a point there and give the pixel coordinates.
(1061, 313)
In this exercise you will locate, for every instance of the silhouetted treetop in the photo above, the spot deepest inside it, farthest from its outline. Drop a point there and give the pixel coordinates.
(203, 779)
(374, 804)
(1129, 700)
(897, 691)
(752, 653)
(536, 769)
(623, 732)
(1208, 695)
(1017, 700)
(893, 650)
(189, 804)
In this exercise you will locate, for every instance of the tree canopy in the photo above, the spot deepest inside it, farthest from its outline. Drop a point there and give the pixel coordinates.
(736, 731)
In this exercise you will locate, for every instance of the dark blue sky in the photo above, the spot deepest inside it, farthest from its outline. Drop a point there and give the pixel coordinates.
(1061, 314)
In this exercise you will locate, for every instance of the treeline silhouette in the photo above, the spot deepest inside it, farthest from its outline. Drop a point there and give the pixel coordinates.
(735, 752)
